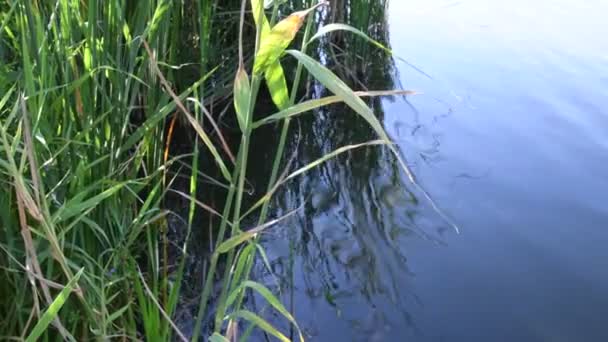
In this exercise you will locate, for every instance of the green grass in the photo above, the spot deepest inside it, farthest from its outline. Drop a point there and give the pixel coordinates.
(88, 90)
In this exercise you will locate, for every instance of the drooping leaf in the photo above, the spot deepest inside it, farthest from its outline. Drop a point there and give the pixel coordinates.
(260, 322)
(340, 89)
(242, 95)
(317, 103)
(343, 27)
(333, 154)
(270, 298)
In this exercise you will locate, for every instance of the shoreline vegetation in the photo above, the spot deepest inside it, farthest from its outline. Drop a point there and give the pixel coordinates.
(91, 95)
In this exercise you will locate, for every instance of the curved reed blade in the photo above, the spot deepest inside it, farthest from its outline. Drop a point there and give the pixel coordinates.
(309, 105)
(343, 27)
(53, 310)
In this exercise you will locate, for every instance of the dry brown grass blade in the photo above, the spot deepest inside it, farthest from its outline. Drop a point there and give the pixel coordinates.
(232, 331)
(27, 135)
(32, 261)
(169, 138)
(199, 203)
(26, 269)
(35, 205)
(181, 106)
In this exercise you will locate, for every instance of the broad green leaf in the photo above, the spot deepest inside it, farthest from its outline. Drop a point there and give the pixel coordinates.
(275, 80)
(242, 95)
(53, 310)
(260, 322)
(275, 76)
(274, 44)
(317, 103)
(340, 89)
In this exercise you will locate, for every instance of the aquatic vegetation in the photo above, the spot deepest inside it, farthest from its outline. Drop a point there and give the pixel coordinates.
(91, 93)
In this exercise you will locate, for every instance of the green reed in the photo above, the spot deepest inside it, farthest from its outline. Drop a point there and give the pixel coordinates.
(88, 93)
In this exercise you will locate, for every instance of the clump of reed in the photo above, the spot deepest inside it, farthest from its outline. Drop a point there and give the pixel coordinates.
(86, 90)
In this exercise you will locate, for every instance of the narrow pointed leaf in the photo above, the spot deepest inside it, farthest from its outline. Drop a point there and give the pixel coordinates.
(53, 310)
(77, 205)
(260, 322)
(343, 27)
(333, 154)
(340, 89)
(240, 265)
(249, 234)
(270, 298)
(234, 241)
(317, 103)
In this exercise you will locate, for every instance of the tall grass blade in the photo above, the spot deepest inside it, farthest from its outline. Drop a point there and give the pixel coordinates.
(260, 322)
(53, 310)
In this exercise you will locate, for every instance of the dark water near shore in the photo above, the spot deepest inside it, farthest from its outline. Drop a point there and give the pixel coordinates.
(511, 140)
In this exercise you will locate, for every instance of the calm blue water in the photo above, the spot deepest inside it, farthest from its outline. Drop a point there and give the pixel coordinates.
(511, 140)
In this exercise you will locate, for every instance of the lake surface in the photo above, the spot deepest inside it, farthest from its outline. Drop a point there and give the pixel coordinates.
(510, 139)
